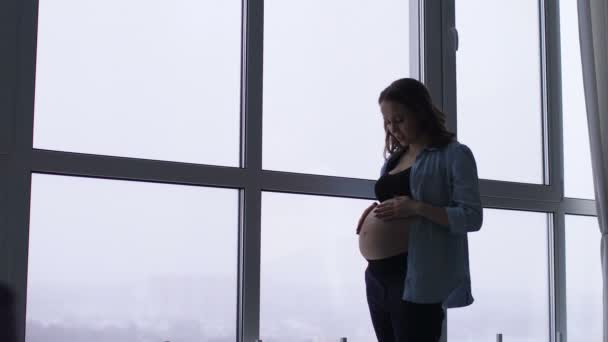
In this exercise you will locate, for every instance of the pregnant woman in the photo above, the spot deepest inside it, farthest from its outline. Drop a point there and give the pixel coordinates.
(384, 244)
(415, 240)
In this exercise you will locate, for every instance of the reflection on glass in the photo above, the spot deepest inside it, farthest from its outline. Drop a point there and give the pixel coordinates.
(325, 64)
(578, 178)
(583, 279)
(147, 79)
(509, 274)
(312, 283)
(499, 87)
(126, 261)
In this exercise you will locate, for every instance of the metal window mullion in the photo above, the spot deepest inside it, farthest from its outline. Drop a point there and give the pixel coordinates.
(559, 267)
(133, 169)
(439, 66)
(317, 185)
(519, 204)
(432, 50)
(16, 174)
(449, 47)
(8, 69)
(248, 297)
(514, 190)
(575, 206)
(110, 167)
(552, 258)
(552, 97)
(416, 39)
(554, 158)
(14, 234)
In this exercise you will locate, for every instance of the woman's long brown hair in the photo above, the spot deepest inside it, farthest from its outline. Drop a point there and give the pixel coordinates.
(416, 99)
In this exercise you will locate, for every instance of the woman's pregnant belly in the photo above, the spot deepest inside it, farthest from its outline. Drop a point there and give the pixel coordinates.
(380, 239)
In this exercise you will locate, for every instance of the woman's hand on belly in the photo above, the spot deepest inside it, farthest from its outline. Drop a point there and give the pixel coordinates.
(396, 208)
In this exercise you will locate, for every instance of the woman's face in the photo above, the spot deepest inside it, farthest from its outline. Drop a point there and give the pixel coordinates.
(399, 123)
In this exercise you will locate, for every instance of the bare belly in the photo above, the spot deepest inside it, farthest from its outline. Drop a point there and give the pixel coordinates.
(380, 239)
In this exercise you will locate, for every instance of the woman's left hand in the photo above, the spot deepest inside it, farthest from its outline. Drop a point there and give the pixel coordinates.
(396, 208)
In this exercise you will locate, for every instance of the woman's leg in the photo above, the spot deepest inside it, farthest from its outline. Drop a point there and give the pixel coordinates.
(376, 291)
(424, 321)
(398, 309)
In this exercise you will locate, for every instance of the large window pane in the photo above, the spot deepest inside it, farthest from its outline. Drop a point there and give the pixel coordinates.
(499, 87)
(148, 79)
(126, 261)
(583, 279)
(325, 63)
(509, 272)
(312, 274)
(578, 178)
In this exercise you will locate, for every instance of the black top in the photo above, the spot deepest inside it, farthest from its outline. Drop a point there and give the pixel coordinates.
(389, 186)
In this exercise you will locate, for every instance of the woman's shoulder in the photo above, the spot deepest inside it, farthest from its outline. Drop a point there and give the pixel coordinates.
(457, 151)
(457, 147)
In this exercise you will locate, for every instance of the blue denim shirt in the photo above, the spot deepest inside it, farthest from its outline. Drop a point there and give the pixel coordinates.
(438, 257)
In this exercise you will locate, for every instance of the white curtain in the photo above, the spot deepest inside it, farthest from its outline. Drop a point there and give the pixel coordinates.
(593, 31)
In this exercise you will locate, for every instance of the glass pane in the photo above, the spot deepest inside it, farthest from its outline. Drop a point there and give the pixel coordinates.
(127, 261)
(509, 272)
(312, 274)
(325, 64)
(583, 279)
(147, 79)
(499, 87)
(578, 177)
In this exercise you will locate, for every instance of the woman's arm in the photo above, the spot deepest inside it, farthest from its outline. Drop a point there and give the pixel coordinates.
(465, 212)
(403, 206)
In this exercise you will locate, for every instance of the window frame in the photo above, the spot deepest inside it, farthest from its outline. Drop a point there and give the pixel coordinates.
(433, 60)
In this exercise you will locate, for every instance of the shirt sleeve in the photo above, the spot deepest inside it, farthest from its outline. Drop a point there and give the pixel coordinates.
(465, 212)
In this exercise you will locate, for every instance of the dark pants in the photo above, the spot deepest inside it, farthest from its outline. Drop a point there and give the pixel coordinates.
(394, 319)
(424, 322)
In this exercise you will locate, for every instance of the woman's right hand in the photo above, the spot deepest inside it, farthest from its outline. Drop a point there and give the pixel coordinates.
(364, 215)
